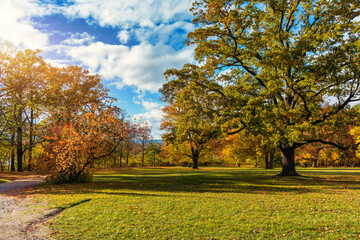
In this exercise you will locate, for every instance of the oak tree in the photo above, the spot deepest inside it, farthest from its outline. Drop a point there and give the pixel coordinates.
(279, 60)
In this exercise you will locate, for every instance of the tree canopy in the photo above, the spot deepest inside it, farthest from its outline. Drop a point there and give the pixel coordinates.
(187, 119)
(60, 121)
(279, 69)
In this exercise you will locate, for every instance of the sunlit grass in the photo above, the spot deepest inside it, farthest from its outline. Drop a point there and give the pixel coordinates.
(210, 203)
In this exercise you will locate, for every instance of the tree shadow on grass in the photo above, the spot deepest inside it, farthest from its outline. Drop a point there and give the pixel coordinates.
(158, 182)
(53, 213)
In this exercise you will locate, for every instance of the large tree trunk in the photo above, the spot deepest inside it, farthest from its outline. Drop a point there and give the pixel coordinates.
(288, 161)
(195, 162)
(195, 154)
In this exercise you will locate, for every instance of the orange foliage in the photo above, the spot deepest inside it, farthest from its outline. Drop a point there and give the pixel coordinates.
(73, 146)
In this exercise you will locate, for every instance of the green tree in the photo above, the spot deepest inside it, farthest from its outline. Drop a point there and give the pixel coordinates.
(276, 63)
(187, 119)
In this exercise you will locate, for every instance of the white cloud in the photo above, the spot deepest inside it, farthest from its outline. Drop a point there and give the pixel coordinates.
(119, 12)
(150, 105)
(151, 21)
(141, 66)
(123, 36)
(16, 26)
(164, 32)
(156, 24)
(146, 23)
(79, 39)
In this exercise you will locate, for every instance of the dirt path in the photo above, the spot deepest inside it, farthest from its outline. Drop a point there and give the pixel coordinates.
(21, 217)
(18, 184)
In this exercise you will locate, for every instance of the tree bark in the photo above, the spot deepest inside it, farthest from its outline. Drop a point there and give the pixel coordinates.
(195, 162)
(288, 161)
(195, 157)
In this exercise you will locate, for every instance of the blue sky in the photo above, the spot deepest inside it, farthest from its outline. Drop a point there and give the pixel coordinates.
(129, 42)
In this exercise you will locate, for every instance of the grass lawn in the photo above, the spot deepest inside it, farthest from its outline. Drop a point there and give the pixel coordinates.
(210, 203)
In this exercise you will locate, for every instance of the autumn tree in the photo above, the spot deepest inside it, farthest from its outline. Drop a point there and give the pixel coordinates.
(279, 62)
(242, 149)
(186, 117)
(339, 132)
(173, 154)
(22, 76)
(75, 143)
(30, 88)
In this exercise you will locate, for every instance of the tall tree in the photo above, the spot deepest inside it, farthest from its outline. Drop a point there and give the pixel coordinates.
(187, 119)
(280, 61)
(22, 72)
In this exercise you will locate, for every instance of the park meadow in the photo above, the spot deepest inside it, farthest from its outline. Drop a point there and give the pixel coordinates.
(255, 133)
(209, 203)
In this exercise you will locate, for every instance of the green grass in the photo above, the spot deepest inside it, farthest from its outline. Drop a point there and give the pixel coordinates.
(210, 203)
(4, 181)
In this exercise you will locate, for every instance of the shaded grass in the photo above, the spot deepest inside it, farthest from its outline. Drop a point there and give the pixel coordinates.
(211, 203)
